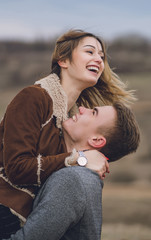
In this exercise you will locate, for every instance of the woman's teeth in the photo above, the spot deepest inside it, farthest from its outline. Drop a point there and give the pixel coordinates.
(92, 68)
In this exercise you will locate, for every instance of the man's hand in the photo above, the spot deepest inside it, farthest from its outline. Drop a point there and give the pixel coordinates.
(97, 162)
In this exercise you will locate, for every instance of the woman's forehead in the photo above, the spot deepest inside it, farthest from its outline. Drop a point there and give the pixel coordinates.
(90, 41)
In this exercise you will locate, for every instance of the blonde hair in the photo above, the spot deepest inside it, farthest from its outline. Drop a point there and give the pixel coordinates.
(109, 88)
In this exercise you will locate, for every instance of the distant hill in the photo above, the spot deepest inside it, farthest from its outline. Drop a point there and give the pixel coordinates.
(21, 63)
(131, 53)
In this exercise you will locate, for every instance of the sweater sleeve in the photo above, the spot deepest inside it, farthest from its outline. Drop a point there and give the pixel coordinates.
(58, 207)
(68, 206)
(22, 129)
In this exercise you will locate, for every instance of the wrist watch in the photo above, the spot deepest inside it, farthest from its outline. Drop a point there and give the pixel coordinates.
(82, 160)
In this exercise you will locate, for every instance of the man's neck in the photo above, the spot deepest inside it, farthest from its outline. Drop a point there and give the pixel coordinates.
(70, 145)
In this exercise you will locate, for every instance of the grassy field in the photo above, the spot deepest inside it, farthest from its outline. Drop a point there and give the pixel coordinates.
(125, 232)
(126, 212)
(127, 189)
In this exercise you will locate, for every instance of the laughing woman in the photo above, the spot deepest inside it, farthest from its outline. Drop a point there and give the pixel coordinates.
(31, 145)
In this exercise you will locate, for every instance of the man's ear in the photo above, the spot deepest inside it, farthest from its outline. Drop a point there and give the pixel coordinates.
(63, 63)
(97, 142)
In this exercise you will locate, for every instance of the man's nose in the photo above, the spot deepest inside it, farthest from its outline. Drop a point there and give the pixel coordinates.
(81, 109)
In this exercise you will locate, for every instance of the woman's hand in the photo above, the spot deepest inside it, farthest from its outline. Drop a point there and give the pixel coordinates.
(97, 162)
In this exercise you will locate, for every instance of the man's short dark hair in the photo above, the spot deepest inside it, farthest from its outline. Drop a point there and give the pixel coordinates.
(124, 137)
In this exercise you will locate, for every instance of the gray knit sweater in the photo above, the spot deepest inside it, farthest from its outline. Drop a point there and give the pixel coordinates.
(68, 207)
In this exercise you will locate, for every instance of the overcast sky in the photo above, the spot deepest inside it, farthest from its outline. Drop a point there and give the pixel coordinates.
(42, 19)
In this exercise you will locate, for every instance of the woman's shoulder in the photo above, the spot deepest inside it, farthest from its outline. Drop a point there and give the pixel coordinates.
(33, 93)
(31, 97)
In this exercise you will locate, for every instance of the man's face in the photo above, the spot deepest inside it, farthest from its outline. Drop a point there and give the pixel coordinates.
(86, 123)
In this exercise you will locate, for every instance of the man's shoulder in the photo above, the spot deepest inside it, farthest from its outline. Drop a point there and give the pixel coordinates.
(79, 175)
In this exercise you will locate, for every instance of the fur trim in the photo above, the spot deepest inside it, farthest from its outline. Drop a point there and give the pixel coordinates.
(46, 123)
(73, 110)
(53, 87)
(21, 218)
(72, 159)
(39, 159)
(1, 169)
(16, 187)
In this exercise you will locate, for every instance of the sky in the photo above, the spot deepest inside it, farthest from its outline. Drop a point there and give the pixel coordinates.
(29, 20)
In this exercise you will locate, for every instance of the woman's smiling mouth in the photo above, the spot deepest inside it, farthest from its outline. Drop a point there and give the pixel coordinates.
(93, 69)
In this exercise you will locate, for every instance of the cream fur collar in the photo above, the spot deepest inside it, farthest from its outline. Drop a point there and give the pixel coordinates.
(52, 85)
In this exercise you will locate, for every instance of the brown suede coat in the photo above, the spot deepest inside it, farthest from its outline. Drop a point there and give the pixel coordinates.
(31, 147)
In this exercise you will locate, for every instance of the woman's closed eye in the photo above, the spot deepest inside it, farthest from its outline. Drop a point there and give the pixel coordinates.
(90, 52)
(102, 57)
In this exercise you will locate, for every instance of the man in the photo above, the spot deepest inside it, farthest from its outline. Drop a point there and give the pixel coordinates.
(112, 130)
(68, 206)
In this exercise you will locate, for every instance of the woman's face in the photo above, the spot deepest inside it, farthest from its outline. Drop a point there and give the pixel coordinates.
(87, 62)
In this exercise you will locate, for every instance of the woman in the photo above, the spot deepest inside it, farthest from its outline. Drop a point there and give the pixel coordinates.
(31, 145)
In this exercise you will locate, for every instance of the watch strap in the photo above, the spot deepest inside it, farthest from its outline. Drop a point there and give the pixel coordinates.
(81, 154)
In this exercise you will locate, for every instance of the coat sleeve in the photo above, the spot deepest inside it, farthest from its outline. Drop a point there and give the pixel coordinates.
(22, 128)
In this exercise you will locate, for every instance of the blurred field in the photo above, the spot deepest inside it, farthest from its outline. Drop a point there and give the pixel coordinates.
(127, 190)
(126, 212)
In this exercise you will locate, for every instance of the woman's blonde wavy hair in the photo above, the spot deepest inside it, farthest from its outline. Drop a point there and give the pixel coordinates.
(109, 88)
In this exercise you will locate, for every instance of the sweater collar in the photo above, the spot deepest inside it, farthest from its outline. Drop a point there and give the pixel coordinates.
(52, 85)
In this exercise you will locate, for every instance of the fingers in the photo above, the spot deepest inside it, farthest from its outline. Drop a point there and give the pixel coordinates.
(97, 162)
(102, 176)
(107, 167)
(104, 170)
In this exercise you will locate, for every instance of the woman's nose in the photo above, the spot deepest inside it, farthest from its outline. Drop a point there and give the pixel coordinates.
(98, 58)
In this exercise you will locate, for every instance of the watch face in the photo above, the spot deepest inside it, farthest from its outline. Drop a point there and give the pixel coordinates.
(82, 161)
